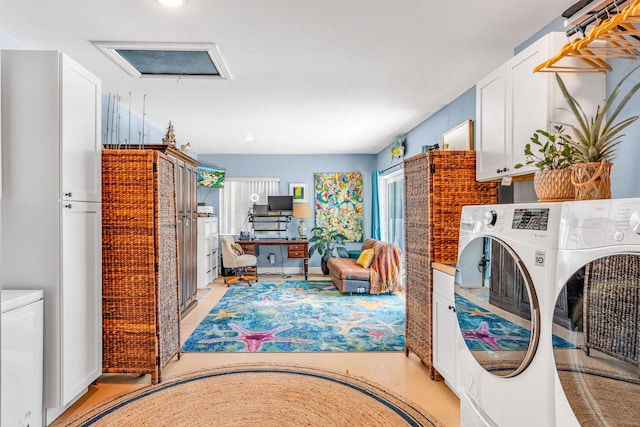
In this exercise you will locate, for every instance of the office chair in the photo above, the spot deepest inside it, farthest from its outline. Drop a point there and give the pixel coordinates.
(238, 261)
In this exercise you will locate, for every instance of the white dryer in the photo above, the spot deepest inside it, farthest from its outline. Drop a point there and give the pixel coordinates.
(598, 290)
(504, 288)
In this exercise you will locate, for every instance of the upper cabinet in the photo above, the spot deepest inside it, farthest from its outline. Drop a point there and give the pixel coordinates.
(513, 102)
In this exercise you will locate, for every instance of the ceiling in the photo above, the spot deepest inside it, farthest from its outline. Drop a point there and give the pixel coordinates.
(335, 76)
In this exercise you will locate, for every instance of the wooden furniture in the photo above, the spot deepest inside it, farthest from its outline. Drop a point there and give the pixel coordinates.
(141, 316)
(207, 250)
(295, 249)
(507, 288)
(437, 185)
(445, 323)
(186, 177)
(512, 102)
(51, 211)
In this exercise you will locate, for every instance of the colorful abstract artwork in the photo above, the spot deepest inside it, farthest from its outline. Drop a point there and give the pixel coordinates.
(338, 203)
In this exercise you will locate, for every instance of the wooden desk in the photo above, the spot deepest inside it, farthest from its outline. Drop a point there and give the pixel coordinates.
(295, 249)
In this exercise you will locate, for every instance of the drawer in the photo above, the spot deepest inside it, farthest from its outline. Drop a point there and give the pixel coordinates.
(249, 249)
(296, 248)
(296, 254)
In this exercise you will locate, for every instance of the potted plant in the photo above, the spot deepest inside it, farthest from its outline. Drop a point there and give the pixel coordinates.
(595, 139)
(325, 242)
(553, 156)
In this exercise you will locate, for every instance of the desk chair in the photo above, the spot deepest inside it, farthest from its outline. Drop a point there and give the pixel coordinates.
(238, 261)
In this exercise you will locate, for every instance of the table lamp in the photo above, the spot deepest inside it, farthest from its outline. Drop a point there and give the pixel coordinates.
(302, 211)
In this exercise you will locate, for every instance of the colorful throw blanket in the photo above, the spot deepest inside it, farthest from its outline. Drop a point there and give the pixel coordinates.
(385, 269)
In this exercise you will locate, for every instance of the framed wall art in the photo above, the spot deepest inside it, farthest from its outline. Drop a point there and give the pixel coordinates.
(338, 203)
(299, 192)
(459, 138)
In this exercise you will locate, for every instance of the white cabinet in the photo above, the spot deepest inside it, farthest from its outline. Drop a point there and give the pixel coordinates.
(445, 327)
(513, 102)
(207, 250)
(51, 211)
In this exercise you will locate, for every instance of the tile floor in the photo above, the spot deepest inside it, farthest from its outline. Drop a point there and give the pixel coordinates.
(407, 376)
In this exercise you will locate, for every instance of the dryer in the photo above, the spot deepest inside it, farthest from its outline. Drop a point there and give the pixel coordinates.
(504, 288)
(598, 290)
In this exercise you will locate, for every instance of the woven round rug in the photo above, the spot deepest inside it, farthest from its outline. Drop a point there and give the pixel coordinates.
(259, 395)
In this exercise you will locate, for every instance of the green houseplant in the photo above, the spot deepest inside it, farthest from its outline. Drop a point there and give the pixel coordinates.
(325, 242)
(553, 154)
(595, 139)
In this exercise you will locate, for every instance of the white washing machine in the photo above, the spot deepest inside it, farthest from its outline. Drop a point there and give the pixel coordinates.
(504, 287)
(22, 344)
(598, 283)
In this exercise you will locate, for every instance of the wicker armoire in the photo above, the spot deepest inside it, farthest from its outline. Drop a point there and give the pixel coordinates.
(140, 297)
(437, 185)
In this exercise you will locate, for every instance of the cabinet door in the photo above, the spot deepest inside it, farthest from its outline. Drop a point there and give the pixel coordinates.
(490, 121)
(80, 128)
(527, 104)
(81, 297)
(444, 327)
(444, 337)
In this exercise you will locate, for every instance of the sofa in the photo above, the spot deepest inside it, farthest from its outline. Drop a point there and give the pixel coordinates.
(383, 274)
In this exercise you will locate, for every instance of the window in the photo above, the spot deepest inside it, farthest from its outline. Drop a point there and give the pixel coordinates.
(392, 208)
(238, 196)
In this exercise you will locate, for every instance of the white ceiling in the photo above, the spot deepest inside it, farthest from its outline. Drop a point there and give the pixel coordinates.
(332, 76)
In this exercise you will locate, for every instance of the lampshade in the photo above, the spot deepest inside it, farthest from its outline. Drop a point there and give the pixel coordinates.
(301, 210)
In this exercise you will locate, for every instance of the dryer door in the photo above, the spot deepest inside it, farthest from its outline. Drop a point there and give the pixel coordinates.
(496, 306)
(596, 343)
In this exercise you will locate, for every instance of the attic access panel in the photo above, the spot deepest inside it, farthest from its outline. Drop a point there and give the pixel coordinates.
(199, 60)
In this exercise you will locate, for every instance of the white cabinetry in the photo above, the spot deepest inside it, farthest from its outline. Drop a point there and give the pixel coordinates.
(51, 211)
(445, 327)
(513, 102)
(207, 250)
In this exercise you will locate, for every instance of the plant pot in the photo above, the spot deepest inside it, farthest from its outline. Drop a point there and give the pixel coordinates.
(553, 185)
(324, 266)
(592, 180)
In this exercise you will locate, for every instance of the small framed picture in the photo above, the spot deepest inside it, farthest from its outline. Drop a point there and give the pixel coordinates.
(299, 192)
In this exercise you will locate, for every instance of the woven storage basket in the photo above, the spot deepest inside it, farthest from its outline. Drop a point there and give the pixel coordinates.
(611, 307)
(592, 180)
(553, 185)
(141, 322)
(437, 185)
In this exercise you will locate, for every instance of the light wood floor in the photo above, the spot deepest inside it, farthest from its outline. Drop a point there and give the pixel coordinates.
(407, 376)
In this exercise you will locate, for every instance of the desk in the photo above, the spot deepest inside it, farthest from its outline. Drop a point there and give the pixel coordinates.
(295, 249)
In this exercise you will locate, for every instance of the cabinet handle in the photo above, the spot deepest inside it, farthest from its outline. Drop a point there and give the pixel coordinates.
(67, 194)
(68, 206)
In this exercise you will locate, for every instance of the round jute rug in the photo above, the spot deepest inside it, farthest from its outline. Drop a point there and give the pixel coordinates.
(259, 395)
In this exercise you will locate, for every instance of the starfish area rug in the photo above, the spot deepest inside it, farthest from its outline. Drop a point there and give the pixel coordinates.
(485, 330)
(300, 316)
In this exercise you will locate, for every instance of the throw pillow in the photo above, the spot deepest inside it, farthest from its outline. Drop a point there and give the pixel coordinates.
(366, 258)
(237, 249)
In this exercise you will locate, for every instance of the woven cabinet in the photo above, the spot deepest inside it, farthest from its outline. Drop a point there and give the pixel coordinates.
(437, 185)
(141, 315)
(611, 309)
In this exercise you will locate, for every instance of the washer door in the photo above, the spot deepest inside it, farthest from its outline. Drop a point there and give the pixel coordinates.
(596, 342)
(496, 307)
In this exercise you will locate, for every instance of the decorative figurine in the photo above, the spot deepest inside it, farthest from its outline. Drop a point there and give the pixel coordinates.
(185, 148)
(169, 137)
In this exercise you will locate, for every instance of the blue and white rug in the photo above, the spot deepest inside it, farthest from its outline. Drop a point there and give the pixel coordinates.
(300, 316)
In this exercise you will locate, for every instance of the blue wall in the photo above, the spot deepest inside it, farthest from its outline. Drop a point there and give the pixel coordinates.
(291, 168)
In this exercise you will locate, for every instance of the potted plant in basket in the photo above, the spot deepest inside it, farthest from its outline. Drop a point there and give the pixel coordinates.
(325, 242)
(553, 156)
(595, 139)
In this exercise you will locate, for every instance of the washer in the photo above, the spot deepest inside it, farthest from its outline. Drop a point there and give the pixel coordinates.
(506, 269)
(604, 234)
(22, 347)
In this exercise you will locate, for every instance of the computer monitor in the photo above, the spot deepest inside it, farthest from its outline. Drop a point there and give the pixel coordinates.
(280, 203)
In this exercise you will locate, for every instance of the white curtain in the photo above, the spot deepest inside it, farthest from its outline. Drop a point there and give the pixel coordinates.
(235, 201)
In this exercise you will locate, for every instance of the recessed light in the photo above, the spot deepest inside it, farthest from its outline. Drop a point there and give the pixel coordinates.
(173, 3)
(249, 137)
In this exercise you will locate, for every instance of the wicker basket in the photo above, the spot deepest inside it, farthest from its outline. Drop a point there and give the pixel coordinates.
(553, 185)
(592, 180)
